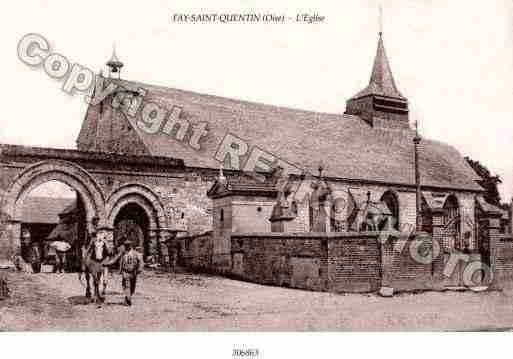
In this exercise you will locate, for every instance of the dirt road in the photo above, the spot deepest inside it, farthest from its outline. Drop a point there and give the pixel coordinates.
(192, 302)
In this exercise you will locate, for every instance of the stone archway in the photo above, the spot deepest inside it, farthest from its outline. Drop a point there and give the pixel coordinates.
(140, 201)
(142, 196)
(52, 170)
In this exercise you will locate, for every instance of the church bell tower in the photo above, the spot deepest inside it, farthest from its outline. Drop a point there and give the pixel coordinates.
(380, 104)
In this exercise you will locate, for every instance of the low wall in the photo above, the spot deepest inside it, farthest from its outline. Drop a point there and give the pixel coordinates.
(336, 262)
(298, 261)
(343, 261)
(504, 261)
(354, 262)
(405, 266)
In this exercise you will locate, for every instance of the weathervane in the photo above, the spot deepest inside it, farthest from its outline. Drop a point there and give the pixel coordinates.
(380, 19)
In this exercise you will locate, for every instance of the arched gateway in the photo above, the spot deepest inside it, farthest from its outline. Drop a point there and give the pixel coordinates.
(88, 192)
(55, 170)
(118, 193)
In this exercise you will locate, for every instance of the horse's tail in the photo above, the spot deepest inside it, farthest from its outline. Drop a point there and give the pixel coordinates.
(82, 267)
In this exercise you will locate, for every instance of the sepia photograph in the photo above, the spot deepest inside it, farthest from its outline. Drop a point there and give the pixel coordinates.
(256, 166)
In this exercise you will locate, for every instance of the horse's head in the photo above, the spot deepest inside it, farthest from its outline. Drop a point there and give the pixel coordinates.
(99, 249)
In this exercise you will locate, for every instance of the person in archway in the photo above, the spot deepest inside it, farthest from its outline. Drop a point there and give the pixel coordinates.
(129, 267)
(35, 257)
(60, 261)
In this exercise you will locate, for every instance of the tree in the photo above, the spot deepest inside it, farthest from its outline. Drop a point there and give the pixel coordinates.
(488, 182)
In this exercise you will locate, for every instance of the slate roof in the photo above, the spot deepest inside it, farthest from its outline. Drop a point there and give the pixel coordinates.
(488, 207)
(243, 184)
(350, 148)
(348, 145)
(44, 210)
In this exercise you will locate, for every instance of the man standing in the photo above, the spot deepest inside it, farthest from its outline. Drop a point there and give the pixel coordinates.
(35, 257)
(130, 266)
(60, 261)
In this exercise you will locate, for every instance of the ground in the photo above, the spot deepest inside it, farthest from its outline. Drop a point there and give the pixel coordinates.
(194, 302)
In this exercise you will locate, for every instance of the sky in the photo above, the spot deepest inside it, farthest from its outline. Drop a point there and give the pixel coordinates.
(454, 62)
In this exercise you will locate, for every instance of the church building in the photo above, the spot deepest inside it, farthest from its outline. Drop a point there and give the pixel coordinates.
(173, 163)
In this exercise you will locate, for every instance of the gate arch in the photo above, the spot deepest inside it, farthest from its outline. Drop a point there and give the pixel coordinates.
(56, 170)
(141, 195)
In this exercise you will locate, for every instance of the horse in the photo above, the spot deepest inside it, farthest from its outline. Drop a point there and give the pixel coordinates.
(95, 259)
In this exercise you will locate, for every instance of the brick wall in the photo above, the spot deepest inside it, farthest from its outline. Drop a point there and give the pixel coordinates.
(354, 263)
(504, 260)
(402, 269)
(336, 262)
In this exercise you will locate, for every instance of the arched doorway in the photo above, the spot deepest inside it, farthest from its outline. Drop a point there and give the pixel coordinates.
(389, 198)
(136, 212)
(89, 199)
(452, 223)
(52, 211)
(132, 223)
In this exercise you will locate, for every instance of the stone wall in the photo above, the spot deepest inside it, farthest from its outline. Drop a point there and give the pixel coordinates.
(197, 252)
(288, 260)
(181, 191)
(8, 245)
(183, 195)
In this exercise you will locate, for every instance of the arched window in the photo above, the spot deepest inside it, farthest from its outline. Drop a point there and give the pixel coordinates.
(452, 223)
(337, 215)
(391, 201)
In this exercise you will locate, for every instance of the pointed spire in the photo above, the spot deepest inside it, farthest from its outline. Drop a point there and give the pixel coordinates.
(114, 64)
(382, 81)
(380, 104)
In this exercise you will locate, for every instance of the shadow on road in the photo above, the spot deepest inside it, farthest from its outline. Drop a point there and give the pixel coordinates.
(79, 300)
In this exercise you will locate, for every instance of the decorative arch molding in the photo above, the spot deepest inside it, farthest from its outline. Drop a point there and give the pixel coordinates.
(141, 195)
(63, 171)
(452, 197)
